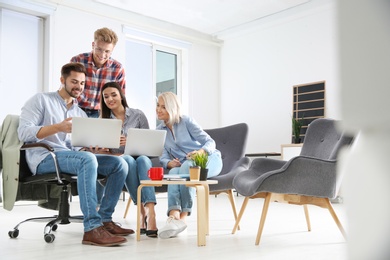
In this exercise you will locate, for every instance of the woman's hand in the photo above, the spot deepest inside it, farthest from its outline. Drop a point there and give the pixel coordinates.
(174, 163)
(122, 140)
(97, 150)
(191, 154)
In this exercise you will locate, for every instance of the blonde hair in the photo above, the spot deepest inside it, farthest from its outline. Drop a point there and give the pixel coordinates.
(172, 106)
(106, 35)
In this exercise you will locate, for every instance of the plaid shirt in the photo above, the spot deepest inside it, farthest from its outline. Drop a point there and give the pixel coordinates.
(112, 70)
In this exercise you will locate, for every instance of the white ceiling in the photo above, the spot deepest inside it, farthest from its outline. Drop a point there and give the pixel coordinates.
(207, 16)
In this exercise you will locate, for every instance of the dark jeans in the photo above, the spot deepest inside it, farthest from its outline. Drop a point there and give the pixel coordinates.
(91, 113)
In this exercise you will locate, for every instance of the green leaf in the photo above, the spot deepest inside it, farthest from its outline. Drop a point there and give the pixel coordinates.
(200, 159)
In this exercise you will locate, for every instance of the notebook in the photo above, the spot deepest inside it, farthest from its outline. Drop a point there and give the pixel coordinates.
(102, 132)
(176, 177)
(145, 142)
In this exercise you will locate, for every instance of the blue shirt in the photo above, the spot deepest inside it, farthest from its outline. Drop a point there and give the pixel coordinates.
(134, 118)
(41, 110)
(187, 136)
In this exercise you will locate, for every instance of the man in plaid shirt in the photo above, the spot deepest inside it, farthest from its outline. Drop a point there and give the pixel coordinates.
(101, 68)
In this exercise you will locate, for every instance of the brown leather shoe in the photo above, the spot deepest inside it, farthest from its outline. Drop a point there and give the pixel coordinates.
(101, 237)
(117, 230)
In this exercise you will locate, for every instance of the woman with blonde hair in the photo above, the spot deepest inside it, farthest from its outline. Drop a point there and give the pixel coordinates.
(184, 138)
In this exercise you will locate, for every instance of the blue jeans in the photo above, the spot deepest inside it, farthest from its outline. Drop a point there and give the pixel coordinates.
(87, 166)
(92, 113)
(181, 197)
(99, 187)
(138, 170)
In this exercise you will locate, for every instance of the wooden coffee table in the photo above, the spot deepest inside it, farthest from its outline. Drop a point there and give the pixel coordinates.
(202, 190)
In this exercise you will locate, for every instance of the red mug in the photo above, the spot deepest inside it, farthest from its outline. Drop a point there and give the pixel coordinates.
(156, 173)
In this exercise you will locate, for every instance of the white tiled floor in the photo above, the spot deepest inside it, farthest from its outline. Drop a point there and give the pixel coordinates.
(284, 236)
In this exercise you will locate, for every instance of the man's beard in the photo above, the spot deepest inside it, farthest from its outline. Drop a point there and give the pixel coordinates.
(70, 92)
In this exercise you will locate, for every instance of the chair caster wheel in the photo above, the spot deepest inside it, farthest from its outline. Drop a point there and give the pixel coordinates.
(54, 227)
(49, 238)
(13, 233)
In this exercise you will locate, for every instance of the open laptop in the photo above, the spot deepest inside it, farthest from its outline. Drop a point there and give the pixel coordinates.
(145, 142)
(105, 133)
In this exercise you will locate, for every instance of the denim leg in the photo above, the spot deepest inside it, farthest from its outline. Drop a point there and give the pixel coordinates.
(138, 170)
(174, 199)
(99, 192)
(143, 166)
(132, 180)
(115, 169)
(92, 114)
(84, 165)
(187, 195)
(181, 197)
(214, 165)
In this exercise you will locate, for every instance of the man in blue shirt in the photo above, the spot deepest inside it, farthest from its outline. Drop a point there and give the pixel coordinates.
(47, 118)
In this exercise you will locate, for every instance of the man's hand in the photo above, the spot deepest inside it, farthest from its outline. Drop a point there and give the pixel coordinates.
(64, 126)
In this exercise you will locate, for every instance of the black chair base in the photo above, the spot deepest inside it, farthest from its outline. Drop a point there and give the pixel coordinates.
(62, 218)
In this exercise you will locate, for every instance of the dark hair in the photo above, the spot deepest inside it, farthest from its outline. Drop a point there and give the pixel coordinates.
(105, 112)
(72, 66)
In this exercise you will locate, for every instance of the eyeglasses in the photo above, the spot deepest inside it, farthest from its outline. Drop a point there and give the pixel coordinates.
(100, 50)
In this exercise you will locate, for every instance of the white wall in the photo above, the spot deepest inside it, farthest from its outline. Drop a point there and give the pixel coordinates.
(73, 36)
(72, 24)
(260, 64)
(249, 79)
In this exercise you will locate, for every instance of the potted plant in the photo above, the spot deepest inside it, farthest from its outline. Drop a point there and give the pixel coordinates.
(297, 124)
(201, 160)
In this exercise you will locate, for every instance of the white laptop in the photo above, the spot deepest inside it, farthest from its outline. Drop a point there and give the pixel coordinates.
(103, 132)
(145, 142)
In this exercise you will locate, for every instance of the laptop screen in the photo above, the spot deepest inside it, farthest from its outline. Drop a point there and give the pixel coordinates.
(145, 142)
(102, 132)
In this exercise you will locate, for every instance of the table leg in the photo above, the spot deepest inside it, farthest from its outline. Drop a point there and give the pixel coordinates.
(207, 192)
(202, 215)
(139, 211)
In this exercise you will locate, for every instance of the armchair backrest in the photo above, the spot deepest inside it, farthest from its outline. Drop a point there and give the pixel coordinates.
(231, 141)
(323, 140)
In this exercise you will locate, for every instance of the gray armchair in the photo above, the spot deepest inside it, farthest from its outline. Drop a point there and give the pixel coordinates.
(310, 178)
(231, 141)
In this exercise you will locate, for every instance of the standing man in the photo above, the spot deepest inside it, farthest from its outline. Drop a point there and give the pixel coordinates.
(101, 68)
(47, 118)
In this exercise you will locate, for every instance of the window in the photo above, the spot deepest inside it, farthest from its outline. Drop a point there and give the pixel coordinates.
(21, 35)
(154, 64)
(166, 72)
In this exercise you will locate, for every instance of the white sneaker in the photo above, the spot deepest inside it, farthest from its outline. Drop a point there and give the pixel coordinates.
(172, 228)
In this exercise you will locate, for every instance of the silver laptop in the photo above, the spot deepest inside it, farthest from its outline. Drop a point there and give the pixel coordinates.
(105, 133)
(145, 142)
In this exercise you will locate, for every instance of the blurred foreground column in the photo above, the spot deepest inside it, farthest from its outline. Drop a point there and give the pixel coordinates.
(364, 44)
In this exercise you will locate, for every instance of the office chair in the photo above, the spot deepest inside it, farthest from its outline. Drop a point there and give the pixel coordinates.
(20, 184)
